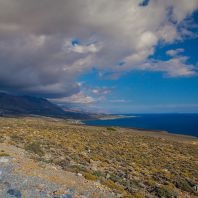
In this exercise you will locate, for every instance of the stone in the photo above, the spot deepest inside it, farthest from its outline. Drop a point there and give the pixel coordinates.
(108, 176)
(1, 172)
(4, 160)
(13, 193)
(66, 196)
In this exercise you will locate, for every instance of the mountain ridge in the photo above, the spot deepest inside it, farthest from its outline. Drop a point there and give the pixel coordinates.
(31, 105)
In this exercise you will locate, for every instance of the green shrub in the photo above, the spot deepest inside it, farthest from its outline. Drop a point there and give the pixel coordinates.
(184, 185)
(90, 176)
(113, 185)
(16, 138)
(111, 129)
(163, 192)
(35, 147)
(4, 154)
(98, 173)
(77, 168)
(138, 195)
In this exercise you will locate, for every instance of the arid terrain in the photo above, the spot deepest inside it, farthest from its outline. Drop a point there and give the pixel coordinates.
(107, 161)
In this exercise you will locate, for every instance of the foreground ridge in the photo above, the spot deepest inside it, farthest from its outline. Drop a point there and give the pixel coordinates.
(56, 158)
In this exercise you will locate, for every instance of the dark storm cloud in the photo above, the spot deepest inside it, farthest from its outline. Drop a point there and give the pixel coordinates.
(32, 56)
(36, 51)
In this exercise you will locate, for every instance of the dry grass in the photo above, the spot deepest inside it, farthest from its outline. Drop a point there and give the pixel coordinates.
(130, 162)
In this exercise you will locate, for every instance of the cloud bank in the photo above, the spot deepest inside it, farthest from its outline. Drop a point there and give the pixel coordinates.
(45, 44)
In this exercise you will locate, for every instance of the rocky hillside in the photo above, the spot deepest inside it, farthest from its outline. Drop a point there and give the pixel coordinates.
(22, 177)
(10, 104)
(29, 105)
(132, 163)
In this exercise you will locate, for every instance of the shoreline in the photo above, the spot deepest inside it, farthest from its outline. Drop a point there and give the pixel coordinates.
(179, 126)
(83, 123)
(143, 130)
(117, 117)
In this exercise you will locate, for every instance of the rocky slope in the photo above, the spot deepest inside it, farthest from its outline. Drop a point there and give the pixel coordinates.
(29, 105)
(132, 163)
(21, 176)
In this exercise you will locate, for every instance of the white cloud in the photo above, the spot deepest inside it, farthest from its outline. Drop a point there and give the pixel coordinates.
(168, 33)
(175, 67)
(35, 41)
(118, 101)
(79, 98)
(101, 91)
(147, 39)
(68, 47)
(175, 52)
(85, 49)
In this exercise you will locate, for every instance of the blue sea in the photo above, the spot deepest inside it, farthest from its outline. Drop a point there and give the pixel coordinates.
(186, 124)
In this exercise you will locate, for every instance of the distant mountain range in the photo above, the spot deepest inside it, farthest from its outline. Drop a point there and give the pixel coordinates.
(29, 105)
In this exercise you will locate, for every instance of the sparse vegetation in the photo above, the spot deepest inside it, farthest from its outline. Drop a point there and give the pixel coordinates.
(111, 129)
(4, 154)
(164, 192)
(90, 176)
(113, 185)
(133, 163)
(34, 147)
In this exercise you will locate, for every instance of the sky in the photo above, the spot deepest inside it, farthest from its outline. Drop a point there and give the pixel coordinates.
(129, 56)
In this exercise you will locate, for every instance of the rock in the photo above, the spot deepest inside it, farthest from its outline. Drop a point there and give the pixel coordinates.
(108, 176)
(1, 172)
(13, 193)
(4, 160)
(79, 174)
(119, 195)
(70, 193)
(196, 188)
(66, 196)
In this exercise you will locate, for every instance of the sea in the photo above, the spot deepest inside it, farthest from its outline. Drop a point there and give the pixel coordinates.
(185, 124)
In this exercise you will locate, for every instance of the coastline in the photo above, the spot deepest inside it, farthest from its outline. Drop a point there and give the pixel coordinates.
(154, 123)
(114, 117)
(146, 131)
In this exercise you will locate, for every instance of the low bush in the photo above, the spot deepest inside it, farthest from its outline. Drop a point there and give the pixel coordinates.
(163, 192)
(90, 176)
(113, 185)
(3, 154)
(184, 185)
(111, 129)
(35, 147)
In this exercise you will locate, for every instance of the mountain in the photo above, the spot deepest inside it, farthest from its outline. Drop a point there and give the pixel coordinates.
(29, 105)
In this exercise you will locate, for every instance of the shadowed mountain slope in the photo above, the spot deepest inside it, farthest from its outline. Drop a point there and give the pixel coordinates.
(29, 105)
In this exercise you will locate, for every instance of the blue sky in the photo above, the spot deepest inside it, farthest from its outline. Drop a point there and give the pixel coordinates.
(152, 92)
(132, 56)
